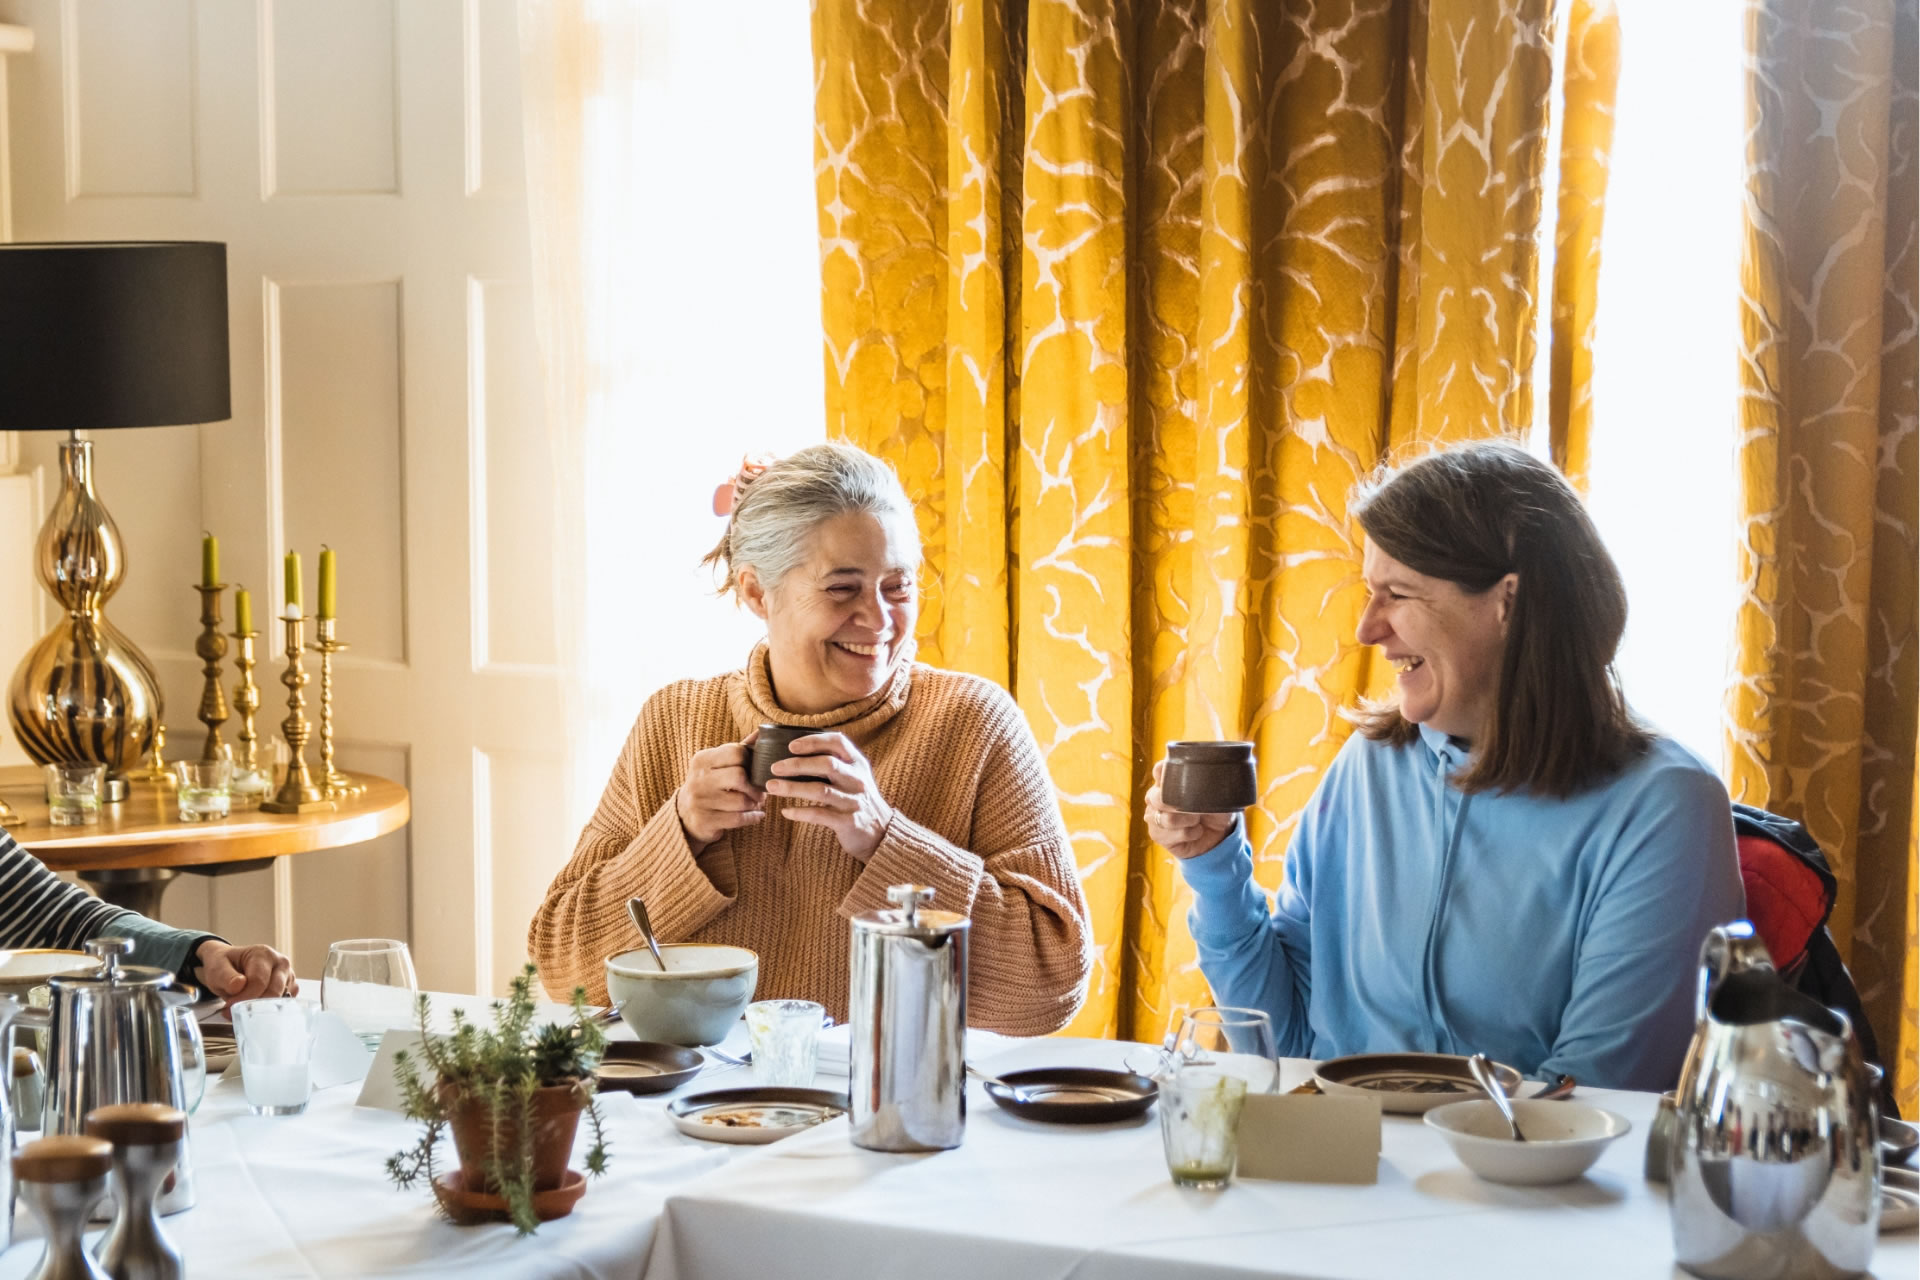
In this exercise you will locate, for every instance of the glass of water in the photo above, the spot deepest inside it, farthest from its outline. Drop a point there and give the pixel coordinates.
(73, 793)
(786, 1040)
(205, 789)
(370, 983)
(1220, 1056)
(275, 1043)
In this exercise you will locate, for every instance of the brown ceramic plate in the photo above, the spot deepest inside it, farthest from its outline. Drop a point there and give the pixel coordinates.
(762, 1113)
(1074, 1095)
(1408, 1084)
(643, 1066)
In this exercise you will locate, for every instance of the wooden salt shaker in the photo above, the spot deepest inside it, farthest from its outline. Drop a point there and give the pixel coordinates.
(61, 1180)
(146, 1139)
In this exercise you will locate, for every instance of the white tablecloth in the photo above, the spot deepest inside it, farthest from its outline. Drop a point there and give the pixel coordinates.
(307, 1196)
(1020, 1200)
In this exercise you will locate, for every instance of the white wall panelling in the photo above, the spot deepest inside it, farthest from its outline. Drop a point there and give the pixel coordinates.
(360, 158)
(138, 139)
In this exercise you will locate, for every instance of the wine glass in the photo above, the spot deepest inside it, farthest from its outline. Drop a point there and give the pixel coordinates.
(370, 983)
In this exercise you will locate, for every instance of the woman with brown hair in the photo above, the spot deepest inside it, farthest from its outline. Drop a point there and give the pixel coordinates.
(910, 774)
(1502, 860)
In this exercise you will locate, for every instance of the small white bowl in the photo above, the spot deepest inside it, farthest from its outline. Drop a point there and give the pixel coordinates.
(706, 987)
(1563, 1139)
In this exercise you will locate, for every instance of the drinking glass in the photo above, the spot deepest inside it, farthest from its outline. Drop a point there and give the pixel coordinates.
(73, 793)
(275, 1042)
(204, 788)
(369, 982)
(249, 787)
(1220, 1056)
(786, 1040)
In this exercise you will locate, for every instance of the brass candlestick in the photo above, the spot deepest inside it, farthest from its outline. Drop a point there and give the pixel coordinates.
(156, 770)
(212, 646)
(337, 784)
(246, 701)
(297, 794)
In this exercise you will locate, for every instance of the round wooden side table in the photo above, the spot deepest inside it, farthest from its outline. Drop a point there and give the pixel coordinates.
(139, 845)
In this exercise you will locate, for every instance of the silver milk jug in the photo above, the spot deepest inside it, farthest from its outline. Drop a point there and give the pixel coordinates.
(9, 1190)
(1773, 1166)
(115, 1037)
(909, 1025)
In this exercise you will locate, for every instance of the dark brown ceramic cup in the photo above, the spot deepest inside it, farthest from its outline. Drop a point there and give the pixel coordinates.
(775, 743)
(1209, 777)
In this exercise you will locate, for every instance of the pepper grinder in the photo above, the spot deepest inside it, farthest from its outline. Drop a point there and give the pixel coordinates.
(146, 1139)
(61, 1179)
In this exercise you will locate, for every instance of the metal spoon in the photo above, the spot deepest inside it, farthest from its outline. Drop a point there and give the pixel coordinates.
(1020, 1094)
(1483, 1074)
(638, 910)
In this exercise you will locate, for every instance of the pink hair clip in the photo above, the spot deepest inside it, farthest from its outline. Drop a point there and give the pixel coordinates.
(727, 496)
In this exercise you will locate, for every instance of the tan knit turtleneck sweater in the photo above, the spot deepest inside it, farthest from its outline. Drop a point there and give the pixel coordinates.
(974, 816)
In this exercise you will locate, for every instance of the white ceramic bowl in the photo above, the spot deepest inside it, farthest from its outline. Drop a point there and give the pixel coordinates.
(1563, 1139)
(706, 987)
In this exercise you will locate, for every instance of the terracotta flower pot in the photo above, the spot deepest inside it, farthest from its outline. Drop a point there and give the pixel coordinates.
(556, 1117)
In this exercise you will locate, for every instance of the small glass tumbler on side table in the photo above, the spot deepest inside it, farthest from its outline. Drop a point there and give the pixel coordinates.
(370, 983)
(205, 789)
(1221, 1055)
(786, 1041)
(275, 1042)
(249, 787)
(73, 793)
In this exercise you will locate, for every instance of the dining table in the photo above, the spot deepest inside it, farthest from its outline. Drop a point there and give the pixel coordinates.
(307, 1196)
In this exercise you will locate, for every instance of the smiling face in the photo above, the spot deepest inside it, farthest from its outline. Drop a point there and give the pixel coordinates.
(839, 620)
(1446, 642)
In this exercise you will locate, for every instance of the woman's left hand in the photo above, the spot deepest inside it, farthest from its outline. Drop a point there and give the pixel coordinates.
(848, 801)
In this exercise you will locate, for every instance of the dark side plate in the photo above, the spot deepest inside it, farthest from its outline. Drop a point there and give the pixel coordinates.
(1409, 1083)
(642, 1066)
(1075, 1095)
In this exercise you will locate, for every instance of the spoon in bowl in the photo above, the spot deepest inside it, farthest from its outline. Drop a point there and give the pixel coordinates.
(638, 910)
(1483, 1075)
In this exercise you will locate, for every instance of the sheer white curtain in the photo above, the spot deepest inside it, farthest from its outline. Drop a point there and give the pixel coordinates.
(1666, 358)
(677, 293)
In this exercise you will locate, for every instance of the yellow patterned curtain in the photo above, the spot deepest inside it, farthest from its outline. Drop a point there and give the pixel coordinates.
(1823, 714)
(1132, 294)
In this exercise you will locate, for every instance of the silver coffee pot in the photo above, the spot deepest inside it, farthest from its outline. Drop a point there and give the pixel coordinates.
(115, 1037)
(909, 1025)
(1773, 1163)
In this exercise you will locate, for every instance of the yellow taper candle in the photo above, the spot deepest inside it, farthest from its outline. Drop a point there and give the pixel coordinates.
(242, 610)
(327, 581)
(293, 580)
(209, 560)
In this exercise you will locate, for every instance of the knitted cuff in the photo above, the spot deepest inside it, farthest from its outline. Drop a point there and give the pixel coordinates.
(910, 854)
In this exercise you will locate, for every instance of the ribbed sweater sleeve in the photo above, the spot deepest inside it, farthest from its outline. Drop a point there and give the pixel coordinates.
(39, 909)
(1030, 949)
(634, 847)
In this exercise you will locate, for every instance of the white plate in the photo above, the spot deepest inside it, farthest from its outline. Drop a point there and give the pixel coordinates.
(754, 1115)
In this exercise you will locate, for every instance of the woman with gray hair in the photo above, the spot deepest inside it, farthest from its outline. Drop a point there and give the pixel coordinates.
(912, 774)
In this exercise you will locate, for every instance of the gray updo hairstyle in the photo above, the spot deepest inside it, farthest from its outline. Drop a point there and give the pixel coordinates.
(774, 511)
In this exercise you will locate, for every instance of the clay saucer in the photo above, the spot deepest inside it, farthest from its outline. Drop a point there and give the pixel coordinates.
(466, 1206)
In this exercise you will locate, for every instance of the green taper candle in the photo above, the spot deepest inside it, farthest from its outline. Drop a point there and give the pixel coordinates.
(209, 560)
(242, 610)
(327, 583)
(293, 582)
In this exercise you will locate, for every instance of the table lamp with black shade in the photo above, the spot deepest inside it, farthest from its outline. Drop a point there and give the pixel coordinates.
(95, 337)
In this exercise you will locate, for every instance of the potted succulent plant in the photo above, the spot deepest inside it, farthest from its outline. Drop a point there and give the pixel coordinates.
(512, 1096)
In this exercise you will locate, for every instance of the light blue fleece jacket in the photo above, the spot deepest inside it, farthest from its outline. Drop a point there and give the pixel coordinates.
(1553, 935)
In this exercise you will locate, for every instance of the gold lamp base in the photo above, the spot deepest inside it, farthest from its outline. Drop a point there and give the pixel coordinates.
(85, 693)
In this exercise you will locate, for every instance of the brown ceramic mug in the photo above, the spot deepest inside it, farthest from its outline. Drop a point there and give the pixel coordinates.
(1209, 777)
(775, 743)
